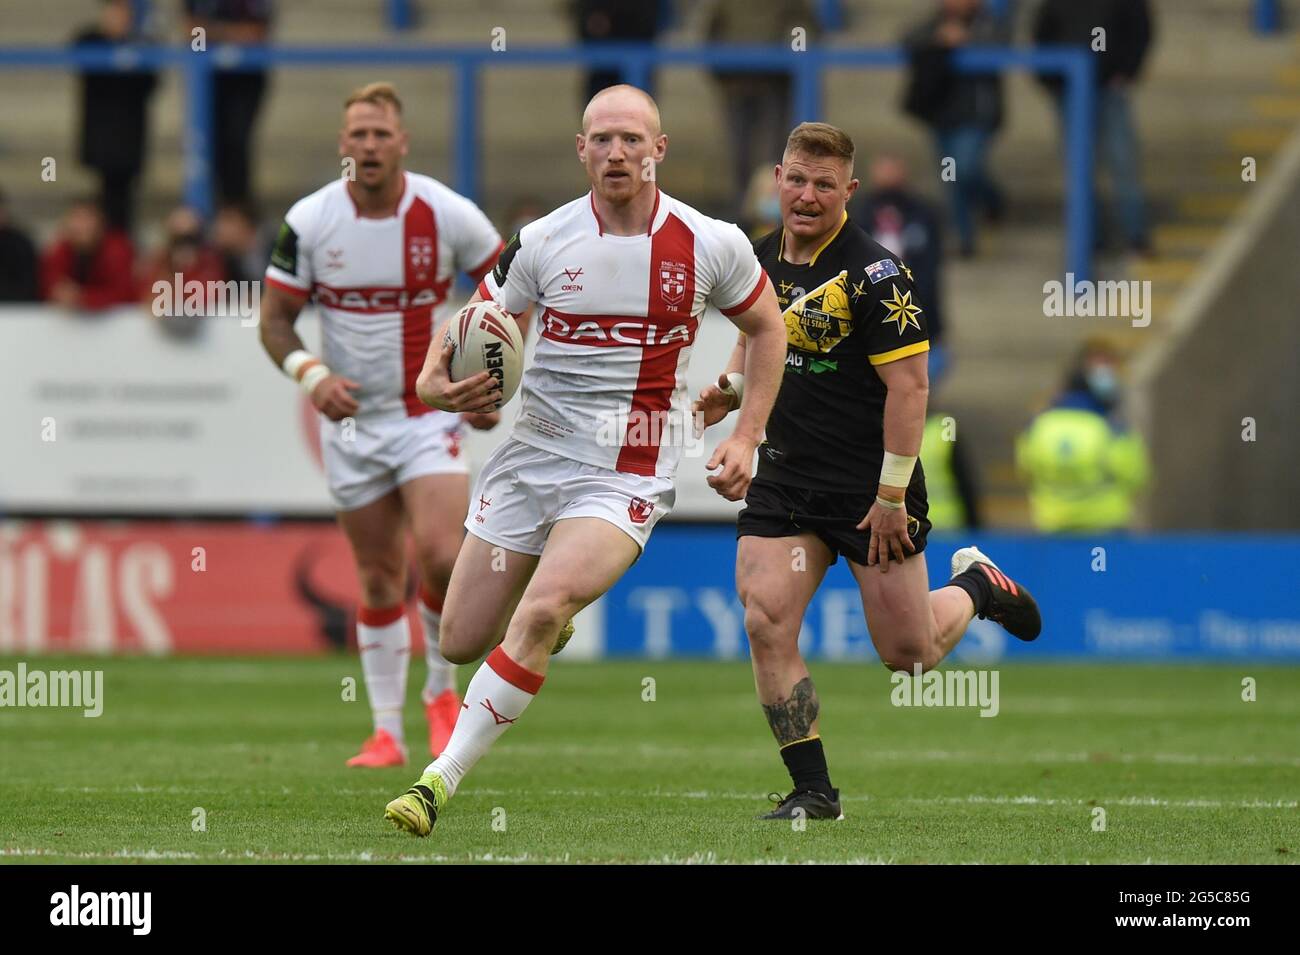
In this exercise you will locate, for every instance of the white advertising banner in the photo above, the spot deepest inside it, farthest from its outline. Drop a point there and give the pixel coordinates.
(119, 413)
(115, 413)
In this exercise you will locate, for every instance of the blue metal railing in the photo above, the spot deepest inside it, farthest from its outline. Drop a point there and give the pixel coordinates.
(636, 63)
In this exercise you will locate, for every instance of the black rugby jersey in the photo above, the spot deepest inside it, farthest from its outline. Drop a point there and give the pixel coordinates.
(849, 309)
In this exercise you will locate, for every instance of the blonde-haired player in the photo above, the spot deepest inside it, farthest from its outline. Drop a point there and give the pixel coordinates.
(839, 472)
(378, 250)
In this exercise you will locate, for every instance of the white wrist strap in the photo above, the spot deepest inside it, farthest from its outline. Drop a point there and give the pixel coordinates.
(888, 504)
(735, 389)
(312, 377)
(896, 471)
(306, 369)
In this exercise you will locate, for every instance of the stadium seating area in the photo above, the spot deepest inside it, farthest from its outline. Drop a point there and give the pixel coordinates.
(1243, 86)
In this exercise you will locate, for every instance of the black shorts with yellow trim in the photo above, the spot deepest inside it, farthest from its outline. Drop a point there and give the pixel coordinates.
(784, 510)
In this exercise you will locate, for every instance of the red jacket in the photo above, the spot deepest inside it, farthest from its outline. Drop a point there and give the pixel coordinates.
(207, 267)
(108, 281)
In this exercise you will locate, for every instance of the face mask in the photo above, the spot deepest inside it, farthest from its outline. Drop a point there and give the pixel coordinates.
(1102, 382)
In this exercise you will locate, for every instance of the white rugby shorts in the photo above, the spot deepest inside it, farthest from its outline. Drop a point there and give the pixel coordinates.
(522, 491)
(377, 456)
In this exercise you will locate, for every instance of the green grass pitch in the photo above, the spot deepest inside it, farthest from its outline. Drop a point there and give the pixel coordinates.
(1184, 769)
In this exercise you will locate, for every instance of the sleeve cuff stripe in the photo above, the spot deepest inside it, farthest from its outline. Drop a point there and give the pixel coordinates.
(750, 299)
(286, 287)
(907, 351)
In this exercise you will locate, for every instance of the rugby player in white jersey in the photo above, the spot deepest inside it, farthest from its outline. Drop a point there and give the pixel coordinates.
(379, 252)
(563, 508)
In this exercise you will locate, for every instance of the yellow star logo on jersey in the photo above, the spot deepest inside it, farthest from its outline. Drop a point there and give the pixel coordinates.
(787, 288)
(908, 272)
(901, 310)
(858, 290)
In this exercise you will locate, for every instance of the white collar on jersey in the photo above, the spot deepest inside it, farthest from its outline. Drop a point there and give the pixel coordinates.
(600, 226)
(403, 201)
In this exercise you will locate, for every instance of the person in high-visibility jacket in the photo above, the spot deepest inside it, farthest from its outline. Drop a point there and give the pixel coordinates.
(949, 477)
(949, 473)
(1083, 465)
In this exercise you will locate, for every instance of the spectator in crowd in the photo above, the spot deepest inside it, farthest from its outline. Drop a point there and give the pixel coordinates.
(615, 21)
(1120, 52)
(165, 281)
(89, 266)
(239, 243)
(1083, 465)
(756, 104)
(19, 280)
(950, 482)
(761, 211)
(963, 111)
(907, 225)
(114, 116)
(237, 95)
(185, 256)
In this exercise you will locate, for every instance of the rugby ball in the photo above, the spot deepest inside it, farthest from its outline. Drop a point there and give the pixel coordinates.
(484, 337)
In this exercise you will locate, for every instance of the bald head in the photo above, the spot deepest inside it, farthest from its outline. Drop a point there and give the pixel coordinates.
(621, 143)
(620, 104)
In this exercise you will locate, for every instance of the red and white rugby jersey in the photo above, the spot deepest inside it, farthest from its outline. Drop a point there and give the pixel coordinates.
(616, 321)
(381, 285)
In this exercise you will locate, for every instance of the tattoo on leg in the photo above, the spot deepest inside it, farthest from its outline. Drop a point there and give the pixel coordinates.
(792, 719)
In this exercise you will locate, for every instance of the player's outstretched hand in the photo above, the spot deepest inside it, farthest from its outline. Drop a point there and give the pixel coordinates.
(712, 406)
(477, 394)
(734, 458)
(482, 422)
(334, 399)
(888, 528)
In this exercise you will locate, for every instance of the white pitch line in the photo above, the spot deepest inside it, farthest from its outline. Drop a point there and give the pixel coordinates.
(1141, 801)
(1148, 801)
(973, 799)
(983, 757)
(549, 751)
(1043, 706)
(158, 855)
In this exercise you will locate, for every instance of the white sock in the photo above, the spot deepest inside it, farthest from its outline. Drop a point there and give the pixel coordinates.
(384, 639)
(496, 696)
(440, 675)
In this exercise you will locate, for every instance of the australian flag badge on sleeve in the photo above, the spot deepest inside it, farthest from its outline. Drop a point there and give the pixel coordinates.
(877, 271)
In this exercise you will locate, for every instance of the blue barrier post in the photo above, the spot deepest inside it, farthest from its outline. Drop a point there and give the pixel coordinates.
(638, 71)
(140, 16)
(401, 15)
(464, 127)
(1080, 112)
(807, 99)
(197, 136)
(1001, 9)
(1268, 16)
(830, 14)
